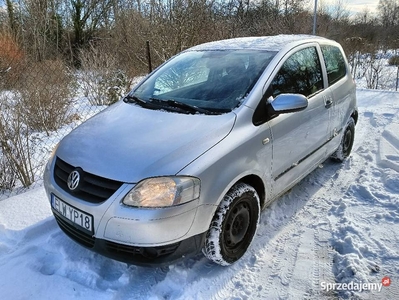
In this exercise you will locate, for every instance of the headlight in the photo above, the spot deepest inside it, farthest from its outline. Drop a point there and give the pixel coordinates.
(163, 191)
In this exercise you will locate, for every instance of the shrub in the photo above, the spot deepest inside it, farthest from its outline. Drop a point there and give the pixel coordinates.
(102, 81)
(15, 144)
(11, 60)
(45, 96)
(7, 174)
(394, 60)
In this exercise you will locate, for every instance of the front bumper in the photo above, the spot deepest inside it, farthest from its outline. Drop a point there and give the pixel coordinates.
(142, 256)
(135, 235)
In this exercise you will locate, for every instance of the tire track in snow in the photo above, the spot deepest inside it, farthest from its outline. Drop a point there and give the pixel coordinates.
(280, 271)
(323, 258)
(302, 281)
(359, 257)
(319, 206)
(273, 270)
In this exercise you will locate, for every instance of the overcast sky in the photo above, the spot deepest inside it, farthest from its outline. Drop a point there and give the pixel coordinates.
(352, 5)
(355, 5)
(359, 5)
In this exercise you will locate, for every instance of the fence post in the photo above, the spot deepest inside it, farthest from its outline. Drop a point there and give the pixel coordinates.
(397, 78)
(149, 57)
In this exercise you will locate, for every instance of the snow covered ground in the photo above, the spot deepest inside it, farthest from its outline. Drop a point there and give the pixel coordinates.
(339, 225)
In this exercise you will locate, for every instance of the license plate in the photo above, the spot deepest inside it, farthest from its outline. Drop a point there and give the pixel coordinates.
(73, 214)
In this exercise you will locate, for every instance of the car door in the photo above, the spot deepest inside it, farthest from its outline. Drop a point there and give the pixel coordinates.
(298, 138)
(341, 86)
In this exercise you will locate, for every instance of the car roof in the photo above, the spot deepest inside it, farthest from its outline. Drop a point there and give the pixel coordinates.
(269, 43)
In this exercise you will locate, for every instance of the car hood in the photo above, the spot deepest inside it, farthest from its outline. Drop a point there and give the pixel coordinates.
(128, 143)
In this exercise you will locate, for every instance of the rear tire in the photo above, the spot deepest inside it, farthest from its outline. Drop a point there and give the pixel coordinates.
(233, 226)
(345, 147)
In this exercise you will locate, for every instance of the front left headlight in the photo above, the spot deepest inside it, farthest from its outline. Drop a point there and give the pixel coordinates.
(163, 192)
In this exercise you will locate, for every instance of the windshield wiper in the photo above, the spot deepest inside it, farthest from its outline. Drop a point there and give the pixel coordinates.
(153, 103)
(146, 104)
(183, 106)
(134, 99)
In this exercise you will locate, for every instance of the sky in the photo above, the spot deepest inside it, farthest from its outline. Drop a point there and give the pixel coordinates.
(359, 5)
(354, 6)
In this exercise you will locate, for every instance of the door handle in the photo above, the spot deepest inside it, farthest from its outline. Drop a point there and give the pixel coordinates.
(328, 103)
(265, 141)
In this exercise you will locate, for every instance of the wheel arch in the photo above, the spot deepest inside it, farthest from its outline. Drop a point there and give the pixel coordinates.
(257, 183)
(203, 219)
(355, 116)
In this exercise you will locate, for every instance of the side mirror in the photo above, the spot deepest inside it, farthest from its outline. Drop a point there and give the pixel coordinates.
(287, 103)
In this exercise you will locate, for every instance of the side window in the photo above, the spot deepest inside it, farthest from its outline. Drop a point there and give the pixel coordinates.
(335, 63)
(300, 74)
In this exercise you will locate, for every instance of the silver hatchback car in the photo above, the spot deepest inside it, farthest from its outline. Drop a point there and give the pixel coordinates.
(188, 159)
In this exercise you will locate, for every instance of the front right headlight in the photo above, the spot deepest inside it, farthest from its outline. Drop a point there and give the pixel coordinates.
(163, 192)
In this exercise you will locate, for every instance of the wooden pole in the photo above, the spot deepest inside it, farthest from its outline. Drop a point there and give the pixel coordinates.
(149, 57)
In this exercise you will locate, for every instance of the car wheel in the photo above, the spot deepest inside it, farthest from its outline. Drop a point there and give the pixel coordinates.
(345, 147)
(233, 226)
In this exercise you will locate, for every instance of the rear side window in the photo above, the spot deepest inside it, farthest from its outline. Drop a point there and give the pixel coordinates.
(335, 63)
(300, 74)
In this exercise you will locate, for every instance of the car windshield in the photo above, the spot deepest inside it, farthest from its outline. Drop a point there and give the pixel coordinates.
(210, 81)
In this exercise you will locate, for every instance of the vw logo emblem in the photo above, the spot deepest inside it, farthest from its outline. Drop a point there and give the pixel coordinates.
(73, 180)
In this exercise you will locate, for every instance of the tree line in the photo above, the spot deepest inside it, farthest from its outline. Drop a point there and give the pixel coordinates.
(40, 30)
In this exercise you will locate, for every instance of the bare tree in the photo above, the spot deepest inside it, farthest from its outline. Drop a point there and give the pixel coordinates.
(389, 12)
(11, 17)
(373, 71)
(86, 17)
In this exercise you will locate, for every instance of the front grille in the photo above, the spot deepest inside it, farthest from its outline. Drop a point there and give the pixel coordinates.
(74, 233)
(151, 252)
(92, 188)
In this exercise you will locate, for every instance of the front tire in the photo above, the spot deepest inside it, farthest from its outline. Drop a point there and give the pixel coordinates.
(233, 226)
(345, 147)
